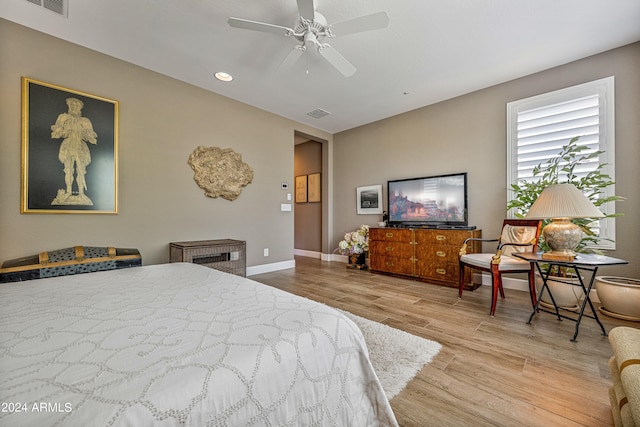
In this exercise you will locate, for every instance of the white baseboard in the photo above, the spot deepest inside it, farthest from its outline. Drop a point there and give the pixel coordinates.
(339, 258)
(320, 255)
(268, 268)
(309, 254)
(507, 282)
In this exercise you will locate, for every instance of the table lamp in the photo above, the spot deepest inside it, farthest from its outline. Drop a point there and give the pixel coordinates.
(561, 202)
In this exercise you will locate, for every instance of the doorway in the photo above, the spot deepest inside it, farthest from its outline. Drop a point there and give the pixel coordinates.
(309, 214)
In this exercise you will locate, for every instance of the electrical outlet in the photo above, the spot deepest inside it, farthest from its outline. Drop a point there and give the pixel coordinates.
(266, 251)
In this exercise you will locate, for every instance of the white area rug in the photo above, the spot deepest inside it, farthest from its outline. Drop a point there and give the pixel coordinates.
(396, 356)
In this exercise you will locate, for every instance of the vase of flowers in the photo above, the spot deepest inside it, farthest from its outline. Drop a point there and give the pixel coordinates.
(355, 245)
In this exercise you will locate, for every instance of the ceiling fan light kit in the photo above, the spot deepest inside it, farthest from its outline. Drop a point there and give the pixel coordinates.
(311, 28)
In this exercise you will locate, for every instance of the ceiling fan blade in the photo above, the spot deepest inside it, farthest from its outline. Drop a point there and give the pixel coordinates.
(307, 9)
(292, 57)
(338, 61)
(360, 24)
(246, 24)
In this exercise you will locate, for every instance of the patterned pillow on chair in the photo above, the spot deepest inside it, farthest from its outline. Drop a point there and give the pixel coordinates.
(517, 234)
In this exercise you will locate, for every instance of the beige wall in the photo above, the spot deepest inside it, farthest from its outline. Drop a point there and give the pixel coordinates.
(162, 121)
(308, 216)
(468, 134)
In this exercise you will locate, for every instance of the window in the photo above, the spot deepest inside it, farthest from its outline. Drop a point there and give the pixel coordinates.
(539, 126)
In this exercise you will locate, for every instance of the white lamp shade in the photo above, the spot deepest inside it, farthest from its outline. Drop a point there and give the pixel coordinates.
(563, 201)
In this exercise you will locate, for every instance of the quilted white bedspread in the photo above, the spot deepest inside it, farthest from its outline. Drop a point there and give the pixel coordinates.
(179, 344)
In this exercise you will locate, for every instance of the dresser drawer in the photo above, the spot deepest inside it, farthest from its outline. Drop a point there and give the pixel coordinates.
(438, 252)
(391, 234)
(403, 266)
(442, 237)
(390, 249)
(438, 271)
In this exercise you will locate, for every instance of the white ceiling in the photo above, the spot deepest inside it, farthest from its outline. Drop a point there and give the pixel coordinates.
(430, 51)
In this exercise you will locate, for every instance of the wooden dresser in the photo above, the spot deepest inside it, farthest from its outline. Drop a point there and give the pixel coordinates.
(426, 254)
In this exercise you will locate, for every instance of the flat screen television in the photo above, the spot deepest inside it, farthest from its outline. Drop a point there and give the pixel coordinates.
(432, 201)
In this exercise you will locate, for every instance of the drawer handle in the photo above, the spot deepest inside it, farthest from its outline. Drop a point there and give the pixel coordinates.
(441, 237)
(441, 254)
(389, 264)
(441, 271)
(389, 248)
(389, 234)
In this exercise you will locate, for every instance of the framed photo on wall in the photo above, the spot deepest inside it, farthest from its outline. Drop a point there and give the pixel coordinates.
(301, 189)
(314, 187)
(369, 199)
(69, 151)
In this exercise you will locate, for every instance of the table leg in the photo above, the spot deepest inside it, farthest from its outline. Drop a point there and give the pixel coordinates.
(535, 309)
(587, 299)
(545, 277)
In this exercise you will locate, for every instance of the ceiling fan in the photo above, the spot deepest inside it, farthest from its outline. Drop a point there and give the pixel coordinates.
(311, 28)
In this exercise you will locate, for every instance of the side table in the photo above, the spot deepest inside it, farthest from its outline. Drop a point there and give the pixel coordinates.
(225, 254)
(582, 263)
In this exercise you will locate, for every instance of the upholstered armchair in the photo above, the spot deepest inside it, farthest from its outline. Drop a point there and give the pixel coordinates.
(518, 235)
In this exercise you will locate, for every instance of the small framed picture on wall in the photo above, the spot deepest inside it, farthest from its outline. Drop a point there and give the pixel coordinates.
(301, 189)
(369, 199)
(314, 188)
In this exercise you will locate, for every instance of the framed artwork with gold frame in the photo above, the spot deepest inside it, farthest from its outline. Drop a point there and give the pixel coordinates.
(314, 188)
(301, 189)
(69, 151)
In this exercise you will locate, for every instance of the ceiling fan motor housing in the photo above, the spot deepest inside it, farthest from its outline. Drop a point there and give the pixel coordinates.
(317, 26)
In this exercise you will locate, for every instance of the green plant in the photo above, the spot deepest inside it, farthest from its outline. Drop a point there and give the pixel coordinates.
(561, 169)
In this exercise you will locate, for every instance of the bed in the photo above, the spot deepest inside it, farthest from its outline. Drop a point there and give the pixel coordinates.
(179, 344)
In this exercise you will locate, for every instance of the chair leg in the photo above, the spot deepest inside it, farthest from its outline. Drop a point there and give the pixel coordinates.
(461, 282)
(496, 287)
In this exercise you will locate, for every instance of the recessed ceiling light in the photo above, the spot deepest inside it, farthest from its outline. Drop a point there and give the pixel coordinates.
(222, 76)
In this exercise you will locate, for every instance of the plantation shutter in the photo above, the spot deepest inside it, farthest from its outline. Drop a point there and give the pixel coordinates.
(542, 132)
(538, 127)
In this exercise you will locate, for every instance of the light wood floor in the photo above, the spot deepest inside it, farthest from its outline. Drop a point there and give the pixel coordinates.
(491, 371)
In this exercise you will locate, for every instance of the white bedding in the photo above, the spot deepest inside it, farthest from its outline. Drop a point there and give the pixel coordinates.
(179, 344)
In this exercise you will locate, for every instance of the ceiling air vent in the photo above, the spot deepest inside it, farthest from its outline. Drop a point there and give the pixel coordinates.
(57, 6)
(318, 113)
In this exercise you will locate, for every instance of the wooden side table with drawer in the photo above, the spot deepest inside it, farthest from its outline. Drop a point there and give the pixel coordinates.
(226, 255)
